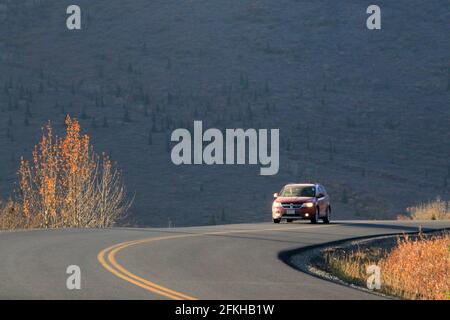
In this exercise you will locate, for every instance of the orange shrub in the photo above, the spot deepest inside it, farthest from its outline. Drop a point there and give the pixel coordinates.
(68, 185)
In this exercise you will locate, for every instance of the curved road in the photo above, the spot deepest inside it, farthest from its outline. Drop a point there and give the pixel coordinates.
(220, 262)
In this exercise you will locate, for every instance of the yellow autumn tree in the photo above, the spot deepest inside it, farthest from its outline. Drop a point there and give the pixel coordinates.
(68, 185)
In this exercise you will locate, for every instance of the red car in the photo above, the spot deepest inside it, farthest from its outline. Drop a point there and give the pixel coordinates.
(301, 201)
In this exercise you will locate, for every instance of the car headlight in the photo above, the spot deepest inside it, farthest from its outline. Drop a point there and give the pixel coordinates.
(308, 205)
(276, 205)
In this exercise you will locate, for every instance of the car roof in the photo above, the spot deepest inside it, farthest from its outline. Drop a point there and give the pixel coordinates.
(301, 184)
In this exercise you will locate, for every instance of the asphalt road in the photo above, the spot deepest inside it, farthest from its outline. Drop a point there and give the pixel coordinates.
(220, 262)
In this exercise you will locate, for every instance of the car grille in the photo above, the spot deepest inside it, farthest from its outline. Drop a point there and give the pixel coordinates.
(291, 205)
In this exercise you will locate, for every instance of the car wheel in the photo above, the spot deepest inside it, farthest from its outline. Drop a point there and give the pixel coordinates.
(276, 220)
(315, 219)
(326, 219)
(289, 220)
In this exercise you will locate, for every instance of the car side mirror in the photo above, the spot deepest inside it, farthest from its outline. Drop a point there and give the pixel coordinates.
(275, 195)
(320, 195)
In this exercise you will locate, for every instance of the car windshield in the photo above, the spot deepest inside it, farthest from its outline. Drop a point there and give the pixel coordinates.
(298, 191)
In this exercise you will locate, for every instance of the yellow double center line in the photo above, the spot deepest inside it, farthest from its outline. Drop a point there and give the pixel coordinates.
(107, 258)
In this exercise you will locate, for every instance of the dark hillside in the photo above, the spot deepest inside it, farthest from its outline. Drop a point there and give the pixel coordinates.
(364, 112)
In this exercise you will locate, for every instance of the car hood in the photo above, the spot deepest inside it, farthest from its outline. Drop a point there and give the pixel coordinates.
(295, 199)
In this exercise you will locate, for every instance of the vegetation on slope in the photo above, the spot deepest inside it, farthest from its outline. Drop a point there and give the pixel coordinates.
(433, 210)
(413, 269)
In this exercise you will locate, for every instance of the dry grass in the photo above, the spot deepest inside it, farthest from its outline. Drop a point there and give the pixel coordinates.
(350, 266)
(419, 269)
(11, 216)
(413, 269)
(434, 210)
